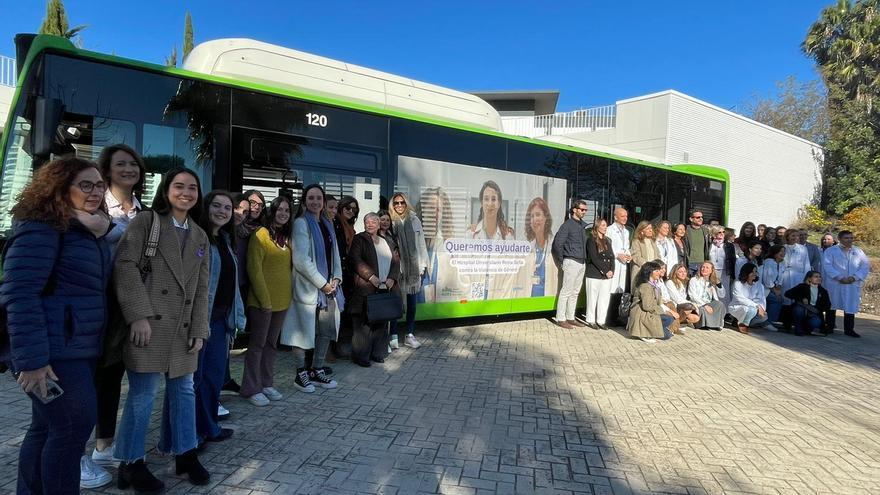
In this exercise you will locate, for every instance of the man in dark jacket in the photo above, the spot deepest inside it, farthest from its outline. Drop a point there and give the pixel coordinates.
(569, 251)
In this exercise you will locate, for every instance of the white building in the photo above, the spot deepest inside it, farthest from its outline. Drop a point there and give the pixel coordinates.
(772, 173)
(7, 87)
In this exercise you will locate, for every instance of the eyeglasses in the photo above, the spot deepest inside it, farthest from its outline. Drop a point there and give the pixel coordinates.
(402, 203)
(255, 204)
(89, 186)
(351, 208)
(697, 217)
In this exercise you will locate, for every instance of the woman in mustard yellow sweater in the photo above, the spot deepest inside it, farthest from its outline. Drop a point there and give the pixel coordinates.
(269, 262)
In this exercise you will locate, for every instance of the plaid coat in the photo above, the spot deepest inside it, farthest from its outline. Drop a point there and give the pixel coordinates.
(174, 297)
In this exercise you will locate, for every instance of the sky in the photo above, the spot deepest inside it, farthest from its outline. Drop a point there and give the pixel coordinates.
(594, 53)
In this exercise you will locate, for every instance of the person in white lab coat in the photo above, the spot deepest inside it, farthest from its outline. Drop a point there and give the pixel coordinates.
(794, 268)
(748, 302)
(846, 267)
(665, 245)
(618, 234)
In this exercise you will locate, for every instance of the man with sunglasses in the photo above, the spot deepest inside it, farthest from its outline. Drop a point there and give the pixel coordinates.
(570, 253)
(696, 242)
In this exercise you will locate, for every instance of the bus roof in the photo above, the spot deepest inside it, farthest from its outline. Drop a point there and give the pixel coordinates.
(56, 44)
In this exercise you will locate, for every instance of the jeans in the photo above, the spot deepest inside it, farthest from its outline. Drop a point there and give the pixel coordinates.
(48, 461)
(209, 379)
(774, 307)
(178, 416)
(411, 301)
(572, 280)
(804, 321)
(667, 320)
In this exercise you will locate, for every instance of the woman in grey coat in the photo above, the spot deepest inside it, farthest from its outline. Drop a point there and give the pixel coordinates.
(313, 319)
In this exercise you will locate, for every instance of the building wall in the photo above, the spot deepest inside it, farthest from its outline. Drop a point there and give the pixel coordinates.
(6, 94)
(772, 173)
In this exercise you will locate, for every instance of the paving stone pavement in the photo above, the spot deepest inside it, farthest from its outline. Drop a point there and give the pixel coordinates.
(523, 406)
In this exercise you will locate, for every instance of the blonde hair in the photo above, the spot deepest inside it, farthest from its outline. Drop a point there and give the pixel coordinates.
(713, 277)
(392, 213)
(673, 275)
(640, 229)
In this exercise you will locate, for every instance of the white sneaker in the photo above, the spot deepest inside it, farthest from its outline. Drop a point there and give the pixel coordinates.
(222, 411)
(92, 475)
(393, 344)
(272, 394)
(258, 400)
(389, 349)
(648, 341)
(412, 342)
(105, 457)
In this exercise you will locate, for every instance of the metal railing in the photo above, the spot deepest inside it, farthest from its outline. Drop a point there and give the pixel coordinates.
(8, 76)
(557, 124)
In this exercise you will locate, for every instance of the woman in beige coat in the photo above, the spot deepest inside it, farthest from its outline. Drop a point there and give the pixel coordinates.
(164, 300)
(643, 248)
(646, 319)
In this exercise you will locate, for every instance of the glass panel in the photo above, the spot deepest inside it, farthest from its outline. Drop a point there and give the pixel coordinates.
(708, 195)
(592, 186)
(450, 145)
(679, 186)
(17, 170)
(639, 189)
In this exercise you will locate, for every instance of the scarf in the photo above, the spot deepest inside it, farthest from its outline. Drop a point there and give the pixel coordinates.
(98, 223)
(411, 277)
(321, 257)
(247, 227)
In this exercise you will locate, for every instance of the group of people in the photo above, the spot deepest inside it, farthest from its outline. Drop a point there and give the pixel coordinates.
(96, 286)
(665, 278)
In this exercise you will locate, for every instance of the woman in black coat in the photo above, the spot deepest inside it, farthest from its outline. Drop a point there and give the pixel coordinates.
(599, 271)
(374, 264)
(811, 301)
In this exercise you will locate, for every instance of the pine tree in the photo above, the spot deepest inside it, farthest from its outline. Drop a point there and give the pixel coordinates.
(187, 36)
(56, 23)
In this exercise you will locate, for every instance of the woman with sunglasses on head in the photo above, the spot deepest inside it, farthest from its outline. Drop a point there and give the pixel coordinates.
(56, 265)
(313, 321)
(270, 261)
(413, 252)
(124, 171)
(164, 298)
(347, 213)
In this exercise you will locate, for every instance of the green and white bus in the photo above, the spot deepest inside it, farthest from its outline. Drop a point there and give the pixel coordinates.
(246, 115)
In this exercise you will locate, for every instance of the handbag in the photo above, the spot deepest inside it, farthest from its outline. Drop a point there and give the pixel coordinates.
(150, 247)
(384, 306)
(623, 308)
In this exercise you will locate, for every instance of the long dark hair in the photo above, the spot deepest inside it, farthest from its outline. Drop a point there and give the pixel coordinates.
(105, 163)
(601, 243)
(281, 235)
(162, 206)
(205, 222)
(501, 220)
(302, 201)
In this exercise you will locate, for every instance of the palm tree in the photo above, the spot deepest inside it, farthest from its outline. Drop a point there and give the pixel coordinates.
(845, 43)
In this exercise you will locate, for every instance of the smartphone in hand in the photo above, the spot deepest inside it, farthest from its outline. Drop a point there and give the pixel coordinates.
(53, 391)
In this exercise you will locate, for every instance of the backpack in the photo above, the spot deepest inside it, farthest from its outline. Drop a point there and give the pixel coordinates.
(623, 308)
(48, 290)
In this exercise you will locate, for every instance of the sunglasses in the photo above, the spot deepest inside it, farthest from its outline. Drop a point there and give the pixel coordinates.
(403, 203)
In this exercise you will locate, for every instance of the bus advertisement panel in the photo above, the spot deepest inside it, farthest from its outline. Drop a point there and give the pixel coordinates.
(488, 231)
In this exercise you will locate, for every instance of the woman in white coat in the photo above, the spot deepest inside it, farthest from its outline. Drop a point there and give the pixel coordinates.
(706, 292)
(666, 247)
(747, 301)
(846, 267)
(313, 319)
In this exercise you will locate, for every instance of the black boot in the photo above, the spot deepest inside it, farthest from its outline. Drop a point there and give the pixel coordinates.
(139, 477)
(189, 463)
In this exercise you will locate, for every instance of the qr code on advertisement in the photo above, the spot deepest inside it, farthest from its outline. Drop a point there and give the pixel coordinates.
(478, 291)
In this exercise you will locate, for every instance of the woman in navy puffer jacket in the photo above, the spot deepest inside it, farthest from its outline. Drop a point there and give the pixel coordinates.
(56, 269)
